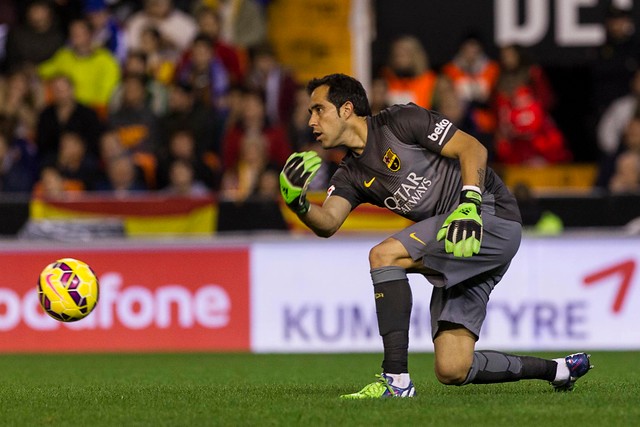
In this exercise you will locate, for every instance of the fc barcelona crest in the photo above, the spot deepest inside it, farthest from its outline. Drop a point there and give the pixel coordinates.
(392, 160)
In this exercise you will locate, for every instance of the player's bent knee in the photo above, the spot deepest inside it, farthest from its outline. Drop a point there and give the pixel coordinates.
(380, 256)
(388, 253)
(451, 374)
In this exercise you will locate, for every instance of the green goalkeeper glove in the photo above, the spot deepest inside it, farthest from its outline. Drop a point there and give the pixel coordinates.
(295, 178)
(463, 228)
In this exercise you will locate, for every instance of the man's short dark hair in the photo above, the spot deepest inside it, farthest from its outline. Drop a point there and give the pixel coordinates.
(343, 88)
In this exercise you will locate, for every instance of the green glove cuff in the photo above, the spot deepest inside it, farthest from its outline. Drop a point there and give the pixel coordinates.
(302, 207)
(471, 196)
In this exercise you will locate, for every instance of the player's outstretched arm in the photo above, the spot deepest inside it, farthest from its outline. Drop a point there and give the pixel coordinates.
(325, 220)
(297, 174)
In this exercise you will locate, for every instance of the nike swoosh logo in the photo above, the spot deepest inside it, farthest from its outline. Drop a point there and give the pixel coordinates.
(414, 237)
(51, 285)
(368, 183)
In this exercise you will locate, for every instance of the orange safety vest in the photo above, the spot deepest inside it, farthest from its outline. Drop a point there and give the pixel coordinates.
(484, 119)
(419, 90)
(488, 76)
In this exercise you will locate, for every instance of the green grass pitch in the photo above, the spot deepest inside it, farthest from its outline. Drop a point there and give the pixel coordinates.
(291, 390)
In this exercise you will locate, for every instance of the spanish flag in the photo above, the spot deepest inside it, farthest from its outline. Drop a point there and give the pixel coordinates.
(144, 215)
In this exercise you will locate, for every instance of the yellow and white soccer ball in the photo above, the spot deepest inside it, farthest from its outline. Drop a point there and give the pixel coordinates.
(68, 290)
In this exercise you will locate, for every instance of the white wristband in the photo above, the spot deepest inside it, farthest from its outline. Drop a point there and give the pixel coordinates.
(472, 187)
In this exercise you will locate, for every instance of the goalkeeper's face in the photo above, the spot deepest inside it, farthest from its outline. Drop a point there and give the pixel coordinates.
(328, 127)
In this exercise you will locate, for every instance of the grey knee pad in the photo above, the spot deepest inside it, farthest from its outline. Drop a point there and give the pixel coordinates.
(493, 367)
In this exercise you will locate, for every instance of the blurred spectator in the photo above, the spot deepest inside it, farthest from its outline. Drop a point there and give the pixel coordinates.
(517, 68)
(110, 147)
(474, 76)
(268, 189)
(209, 24)
(526, 132)
(135, 122)
(122, 177)
(52, 185)
(183, 181)
(67, 11)
(182, 146)
(176, 27)
(65, 114)
(242, 180)
(17, 166)
(473, 73)
(184, 113)
(630, 144)
(107, 32)
(254, 122)
(234, 106)
(408, 75)
(612, 165)
(160, 58)
(156, 93)
(35, 40)
(21, 100)
(300, 134)
(616, 60)
(206, 74)
(377, 95)
(94, 71)
(274, 80)
(616, 118)
(243, 22)
(455, 109)
(626, 176)
(74, 162)
(123, 9)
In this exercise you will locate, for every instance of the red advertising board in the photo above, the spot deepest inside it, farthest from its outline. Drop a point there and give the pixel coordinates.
(151, 299)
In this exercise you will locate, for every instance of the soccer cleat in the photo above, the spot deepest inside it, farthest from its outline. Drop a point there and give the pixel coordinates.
(383, 387)
(579, 364)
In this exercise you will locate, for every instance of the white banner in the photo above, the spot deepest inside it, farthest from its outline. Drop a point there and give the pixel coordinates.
(566, 293)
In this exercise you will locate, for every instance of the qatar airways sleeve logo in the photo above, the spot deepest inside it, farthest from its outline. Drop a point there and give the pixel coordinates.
(440, 131)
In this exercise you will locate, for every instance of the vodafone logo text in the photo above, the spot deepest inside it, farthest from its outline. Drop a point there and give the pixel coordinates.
(168, 299)
(134, 307)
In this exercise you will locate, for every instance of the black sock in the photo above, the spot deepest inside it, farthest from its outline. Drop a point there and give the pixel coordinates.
(396, 352)
(494, 367)
(535, 368)
(393, 308)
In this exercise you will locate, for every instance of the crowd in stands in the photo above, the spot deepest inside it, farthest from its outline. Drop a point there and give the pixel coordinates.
(188, 98)
(508, 102)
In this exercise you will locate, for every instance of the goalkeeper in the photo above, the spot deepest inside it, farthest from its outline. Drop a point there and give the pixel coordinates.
(467, 229)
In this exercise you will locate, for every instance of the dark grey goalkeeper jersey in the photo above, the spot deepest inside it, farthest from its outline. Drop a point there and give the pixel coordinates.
(401, 168)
